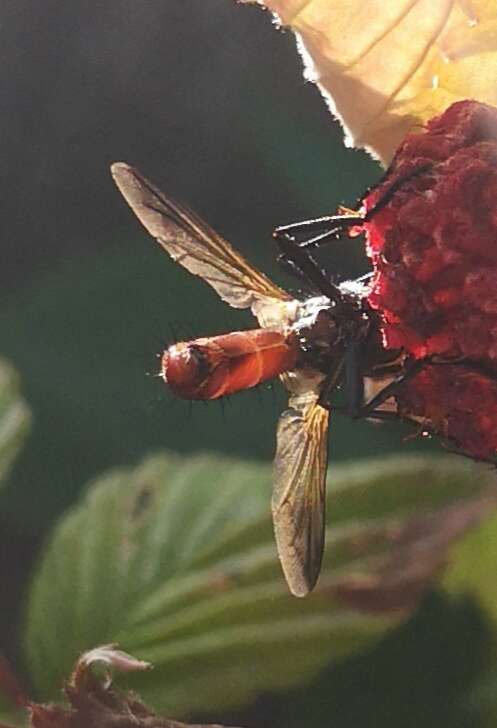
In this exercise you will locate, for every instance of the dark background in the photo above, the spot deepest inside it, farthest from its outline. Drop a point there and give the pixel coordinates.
(208, 100)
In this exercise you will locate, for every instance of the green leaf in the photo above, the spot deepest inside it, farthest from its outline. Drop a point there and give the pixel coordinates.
(14, 419)
(12, 717)
(481, 701)
(471, 576)
(175, 562)
(472, 570)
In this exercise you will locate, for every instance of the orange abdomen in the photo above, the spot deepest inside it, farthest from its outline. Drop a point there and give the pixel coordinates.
(212, 367)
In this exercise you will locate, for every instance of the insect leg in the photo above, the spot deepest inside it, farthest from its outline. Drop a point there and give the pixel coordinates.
(301, 264)
(331, 226)
(331, 382)
(354, 376)
(394, 187)
(409, 371)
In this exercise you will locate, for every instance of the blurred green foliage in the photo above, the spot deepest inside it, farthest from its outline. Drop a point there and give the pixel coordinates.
(15, 419)
(185, 575)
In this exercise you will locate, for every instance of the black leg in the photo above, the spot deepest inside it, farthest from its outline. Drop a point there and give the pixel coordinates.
(320, 240)
(291, 267)
(331, 381)
(354, 376)
(305, 267)
(394, 187)
(329, 225)
(332, 226)
(410, 370)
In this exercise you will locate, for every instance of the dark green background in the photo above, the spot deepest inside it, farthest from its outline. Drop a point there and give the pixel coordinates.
(208, 100)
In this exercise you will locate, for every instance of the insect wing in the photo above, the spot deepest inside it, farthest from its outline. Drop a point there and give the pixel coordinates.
(299, 490)
(198, 248)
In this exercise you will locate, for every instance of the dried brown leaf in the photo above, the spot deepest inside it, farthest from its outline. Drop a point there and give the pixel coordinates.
(420, 549)
(93, 701)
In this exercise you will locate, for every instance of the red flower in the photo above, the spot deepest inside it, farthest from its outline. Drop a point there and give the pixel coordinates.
(433, 245)
(457, 403)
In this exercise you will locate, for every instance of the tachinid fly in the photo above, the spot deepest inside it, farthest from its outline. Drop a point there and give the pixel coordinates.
(315, 345)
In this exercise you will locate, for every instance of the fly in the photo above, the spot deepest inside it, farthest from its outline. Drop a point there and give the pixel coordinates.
(315, 345)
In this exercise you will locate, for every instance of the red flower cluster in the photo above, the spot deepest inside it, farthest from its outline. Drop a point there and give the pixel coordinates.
(434, 244)
(457, 403)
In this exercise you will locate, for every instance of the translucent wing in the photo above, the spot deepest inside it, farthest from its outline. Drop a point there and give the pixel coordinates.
(193, 244)
(299, 490)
